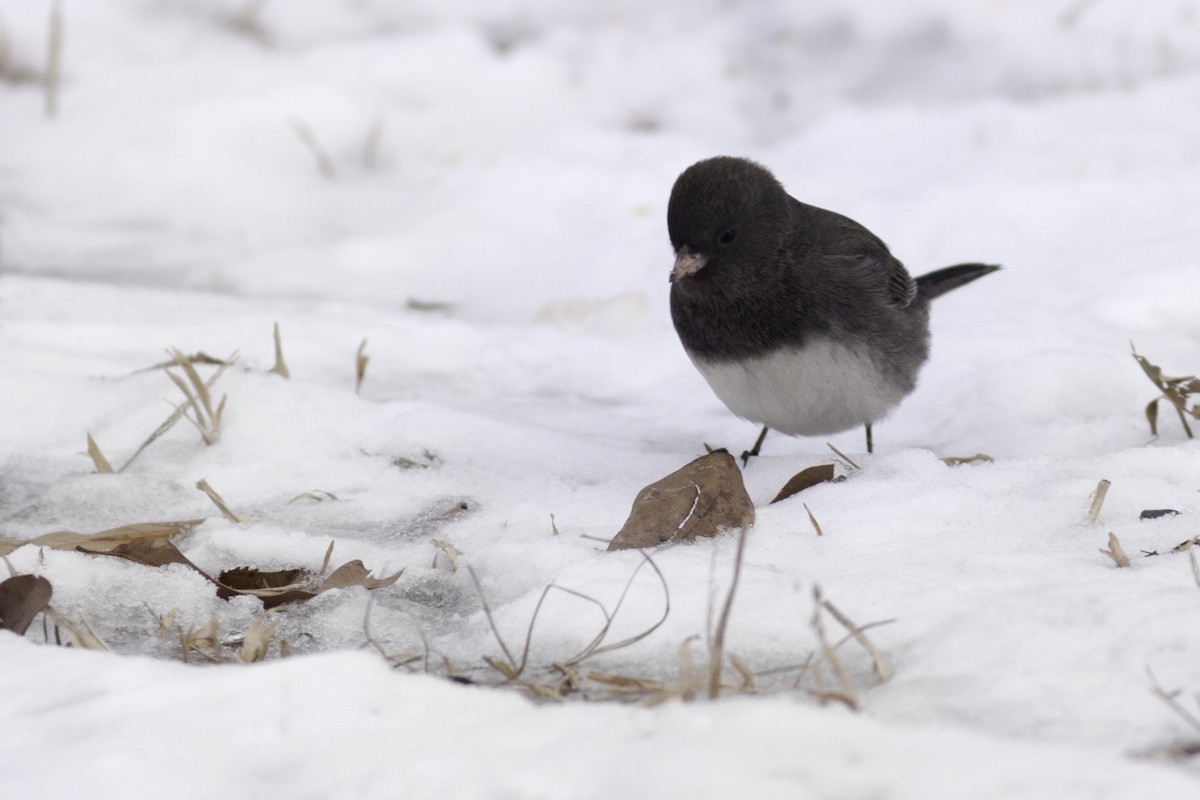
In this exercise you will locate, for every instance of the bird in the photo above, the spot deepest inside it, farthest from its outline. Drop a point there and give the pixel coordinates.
(799, 318)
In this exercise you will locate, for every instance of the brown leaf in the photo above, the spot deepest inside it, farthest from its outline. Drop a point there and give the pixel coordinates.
(22, 598)
(353, 573)
(295, 585)
(241, 580)
(151, 552)
(1152, 415)
(804, 479)
(700, 499)
(1153, 372)
(104, 540)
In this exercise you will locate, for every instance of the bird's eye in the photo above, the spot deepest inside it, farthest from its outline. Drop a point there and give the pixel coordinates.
(727, 237)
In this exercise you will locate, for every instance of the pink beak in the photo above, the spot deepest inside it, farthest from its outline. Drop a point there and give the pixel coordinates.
(687, 263)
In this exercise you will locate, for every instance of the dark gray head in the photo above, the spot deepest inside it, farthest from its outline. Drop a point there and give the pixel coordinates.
(726, 216)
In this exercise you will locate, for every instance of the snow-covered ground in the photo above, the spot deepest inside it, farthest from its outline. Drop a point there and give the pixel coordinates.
(478, 189)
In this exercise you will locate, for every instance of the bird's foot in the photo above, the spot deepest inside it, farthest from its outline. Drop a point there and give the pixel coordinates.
(753, 451)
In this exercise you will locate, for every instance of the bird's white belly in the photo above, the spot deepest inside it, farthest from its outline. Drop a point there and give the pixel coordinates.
(821, 388)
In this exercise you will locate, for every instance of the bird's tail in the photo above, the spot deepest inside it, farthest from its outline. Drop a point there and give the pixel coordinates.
(940, 281)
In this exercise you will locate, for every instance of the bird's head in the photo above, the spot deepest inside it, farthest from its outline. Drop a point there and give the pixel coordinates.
(726, 215)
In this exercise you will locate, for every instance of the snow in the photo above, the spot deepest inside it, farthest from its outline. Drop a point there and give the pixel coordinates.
(512, 161)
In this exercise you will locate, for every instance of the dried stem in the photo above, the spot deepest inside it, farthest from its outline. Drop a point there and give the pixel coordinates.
(717, 656)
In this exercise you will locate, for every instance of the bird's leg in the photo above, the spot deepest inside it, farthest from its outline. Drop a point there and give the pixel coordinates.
(753, 451)
(870, 441)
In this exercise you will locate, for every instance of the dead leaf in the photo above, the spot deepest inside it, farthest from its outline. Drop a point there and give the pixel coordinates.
(272, 588)
(22, 598)
(1176, 391)
(295, 585)
(151, 552)
(1152, 415)
(104, 540)
(704, 497)
(804, 479)
(353, 573)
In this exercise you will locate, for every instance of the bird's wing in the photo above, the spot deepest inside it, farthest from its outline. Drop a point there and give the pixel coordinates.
(858, 254)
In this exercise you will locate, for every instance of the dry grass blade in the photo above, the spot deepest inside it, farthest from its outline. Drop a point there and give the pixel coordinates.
(833, 696)
(553, 525)
(367, 629)
(198, 385)
(257, 641)
(199, 357)
(627, 683)
(203, 486)
(882, 671)
(315, 494)
(361, 359)
(845, 458)
(848, 694)
(505, 668)
(281, 367)
(513, 668)
(204, 641)
(1172, 703)
(687, 669)
(487, 611)
(1115, 551)
(1195, 566)
(595, 648)
(165, 621)
(207, 419)
(592, 647)
(816, 525)
(80, 632)
(451, 552)
(1098, 500)
(325, 561)
(93, 449)
(179, 411)
(206, 432)
(744, 672)
(717, 656)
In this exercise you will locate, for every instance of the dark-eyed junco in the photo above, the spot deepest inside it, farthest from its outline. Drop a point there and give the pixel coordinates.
(799, 318)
